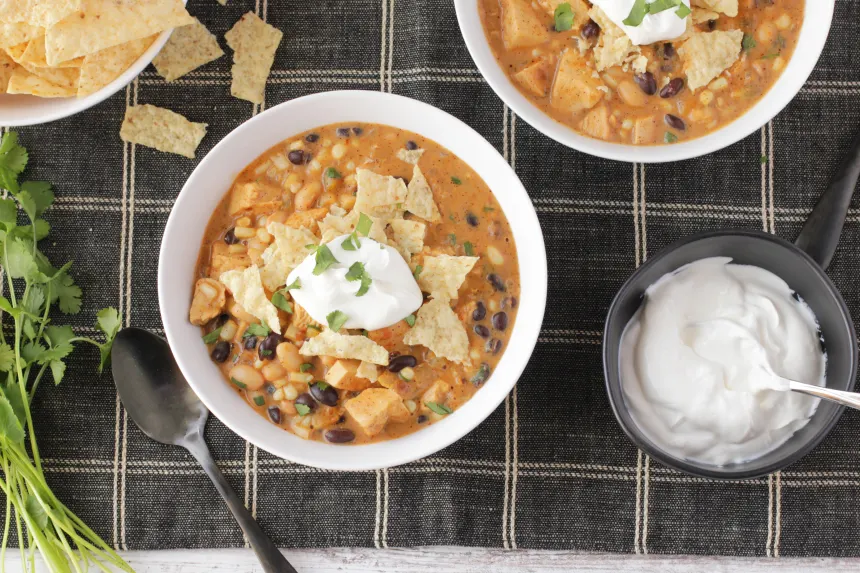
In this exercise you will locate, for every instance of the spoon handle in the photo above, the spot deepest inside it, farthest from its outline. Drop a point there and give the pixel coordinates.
(850, 399)
(269, 555)
(821, 232)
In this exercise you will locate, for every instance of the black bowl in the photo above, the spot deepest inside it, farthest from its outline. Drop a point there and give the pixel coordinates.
(804, 276)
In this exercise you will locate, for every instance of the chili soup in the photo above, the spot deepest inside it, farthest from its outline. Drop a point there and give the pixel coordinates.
(614, 71)
(357, 283)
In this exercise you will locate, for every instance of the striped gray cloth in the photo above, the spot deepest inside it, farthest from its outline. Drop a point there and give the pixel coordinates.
(551, 468)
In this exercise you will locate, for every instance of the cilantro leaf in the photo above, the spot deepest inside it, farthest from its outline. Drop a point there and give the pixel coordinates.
(58, 369)
(364, 224)
(20, 261)
(332, 173)
(109, 322)
(281, 302)
(41, 194)
(59, 335)
(10, 426)
(36, 511)
(295, 284)
(336, 319)
(357, 272)
(13, 160)
(303, 409)
(211, 337)
(440, 409)
(563, 17)
(748, 43)
(31, 352)
(410, 320)
(350, 243)
(68, 294)
(8, 213)
(256, 329)
(324, 259)
(7, 357)
(42, 229)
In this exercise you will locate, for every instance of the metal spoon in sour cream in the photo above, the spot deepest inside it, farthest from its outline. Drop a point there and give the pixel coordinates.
(704, 362)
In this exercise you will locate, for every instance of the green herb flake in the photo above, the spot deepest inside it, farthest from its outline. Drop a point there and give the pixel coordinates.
(452, 239)
(748, 43)
(670, 137)
(563, 17)
(256, 329)
(241, 385)
(683, 11)
(364, 224)
(260, 400)
(351, 243)
(440, 409)
(357, 272)
(410, 320)
(332, 173)
(417, 271)
(306, 366)
(336, 319)
(770, 56)
(489, 209)
(324, 259)
(456, 181)
(211, 337)
(281, 302)
(303, 409)
(637, 14)
(265, 353)
(641, 9)
(469, 249)
(296, 284)
(321, 384)
(314, 327)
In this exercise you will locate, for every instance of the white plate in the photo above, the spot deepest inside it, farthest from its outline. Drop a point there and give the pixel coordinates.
(212, 179)
(813, 35)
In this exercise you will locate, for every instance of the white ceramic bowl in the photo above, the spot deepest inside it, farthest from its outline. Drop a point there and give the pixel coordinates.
(20, 110)
(813, 35)
(213, 178)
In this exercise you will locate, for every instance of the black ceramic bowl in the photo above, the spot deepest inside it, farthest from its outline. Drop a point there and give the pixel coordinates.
(803, 275)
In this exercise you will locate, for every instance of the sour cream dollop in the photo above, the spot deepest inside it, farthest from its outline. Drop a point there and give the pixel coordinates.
(701, 360)
(392, 296)
(657, 27)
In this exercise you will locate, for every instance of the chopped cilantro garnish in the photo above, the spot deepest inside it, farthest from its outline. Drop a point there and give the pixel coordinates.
(452, 238)
(281, 302)
(642, 8)
(332, 173)
(748, 43)
(417, 271)
(212, 336)
(456, 181)
(563, 17)
(351, 243)
(303, 409)
(410, 320)
(324, 259)
(670, 137)
(256, 330)
(241, 385)
(336, 319)
(306, 366)
(296, 284)
(364, 224)
(489, 209)
(357, 272)
(260, 400)
(440, 409)
(469, 250)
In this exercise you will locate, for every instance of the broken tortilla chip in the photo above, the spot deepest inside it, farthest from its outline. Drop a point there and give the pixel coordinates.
(66, 78)
(101, 68)
(379, 195)
(419, 197)
(330, 343)
(408, 236)
(104, 23)
(438, 328)
(411, 156)
(35, 56)
(23, 82)
(254, 44)
(7, 67)
(443, 275)
(162, 129)
(14, 33)
(247, 289)
(285, 253)
(15, 52)
(188, 48)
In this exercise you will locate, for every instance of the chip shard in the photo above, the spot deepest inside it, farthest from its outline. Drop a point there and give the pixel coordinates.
(443, 275)
(254, 43)
(188, 48)
(162, 129)
(379, 195)
(419, 197)
(246, 287)
(438, 328)
(707, 55)
(331, 343)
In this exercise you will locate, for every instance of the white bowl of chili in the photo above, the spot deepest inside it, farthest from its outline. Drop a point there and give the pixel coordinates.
(215, 175)
(811, 37)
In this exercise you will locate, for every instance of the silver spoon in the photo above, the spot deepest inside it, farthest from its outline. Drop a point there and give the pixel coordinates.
(850, 399)
(159, 400)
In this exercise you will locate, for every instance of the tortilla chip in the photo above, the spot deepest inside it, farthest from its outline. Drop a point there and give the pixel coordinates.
(66, 78)
(14, 33)
(247, 289)
(379, 195)
(699, 16)
(333, 226)
(706, 56)
(17, 51)
(411, 156)
(188, 48)
(101, 68)
(23, 82)
(330, 343)
(35, 56)
(7, 67)
(438, 328)
(614, 47)
(254, 44)
(408, 236)
(285, 253)
(727, 7)
(104, 23)
(367, 371)
(442, 276)
(161, 129)
(46, 13)
(419, 199)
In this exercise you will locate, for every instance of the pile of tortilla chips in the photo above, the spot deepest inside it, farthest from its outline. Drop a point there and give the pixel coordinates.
(68, 48)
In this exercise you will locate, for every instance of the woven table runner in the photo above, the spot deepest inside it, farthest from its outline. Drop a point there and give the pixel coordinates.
(550, 468)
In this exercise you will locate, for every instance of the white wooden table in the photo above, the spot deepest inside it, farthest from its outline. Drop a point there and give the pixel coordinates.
(462, 560)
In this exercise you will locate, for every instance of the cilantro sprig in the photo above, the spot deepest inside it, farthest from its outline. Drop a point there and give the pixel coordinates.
(36, 345)
(357, 272)
(642, 8)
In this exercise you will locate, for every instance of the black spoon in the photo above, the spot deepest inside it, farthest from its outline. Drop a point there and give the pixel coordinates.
(162, 404)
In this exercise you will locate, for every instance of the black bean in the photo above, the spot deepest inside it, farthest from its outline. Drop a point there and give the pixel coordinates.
(590, 30)
(312, 137)
(509, 302)
(298, 157)
(493, 346)
(481, 375)
(270, 388)
(480, 312)
(672, 89)
(324, 395)
(712, 25)
(221, 319)
(497, 282)
(341, 420)
(339, 435)
(343, 132)
(668, 50)
(357, 130)
(482, 331)
(675, 122)
(422, 418)
(274, 414)
(646, 82)
(400, 362)
(221, 351)
(268, 346)
(307, 400)
(230, 237)
(411, 145)
(472, 219)
(500, 320)
(251, 343)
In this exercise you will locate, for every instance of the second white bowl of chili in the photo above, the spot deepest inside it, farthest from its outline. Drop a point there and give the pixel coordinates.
(669, 144)
(307, 123)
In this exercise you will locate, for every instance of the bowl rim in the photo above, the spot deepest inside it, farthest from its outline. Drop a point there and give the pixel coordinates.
(70, 106)
(526, 327)
(614, 392)
(807, 52)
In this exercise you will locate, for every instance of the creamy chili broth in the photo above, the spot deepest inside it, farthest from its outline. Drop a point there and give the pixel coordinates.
(651, 94)
(300, 182)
